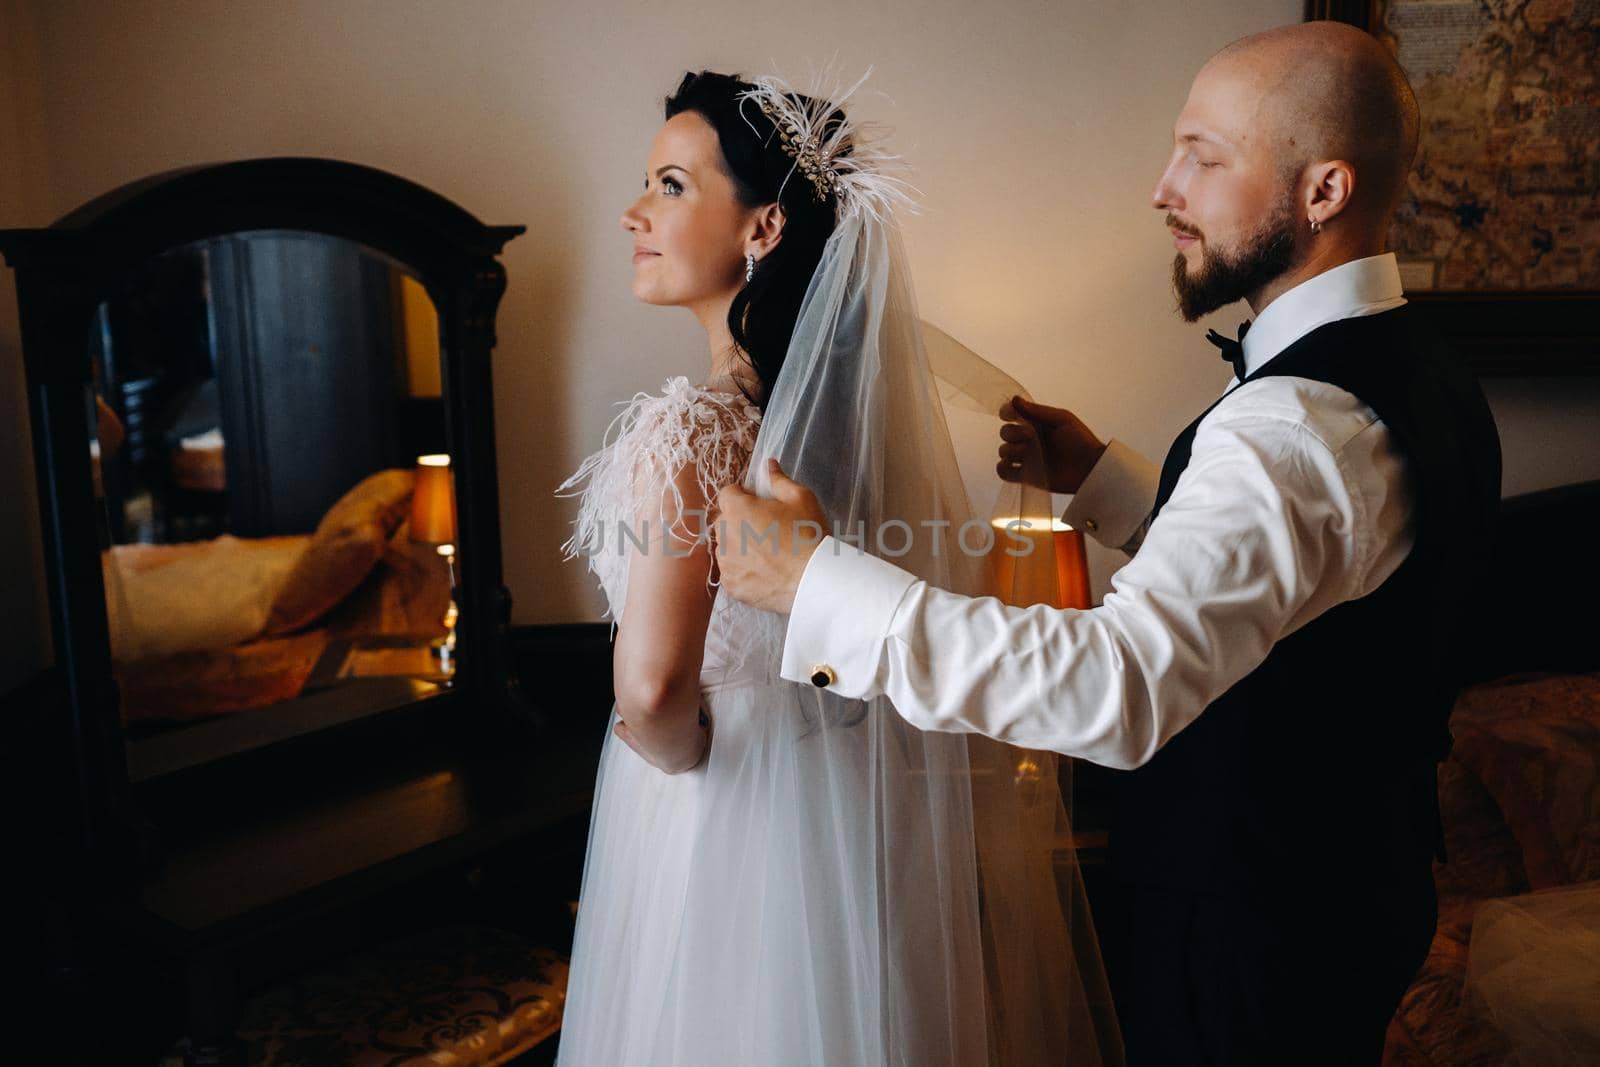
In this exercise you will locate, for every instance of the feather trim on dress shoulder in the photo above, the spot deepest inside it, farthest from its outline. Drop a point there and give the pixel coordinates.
(647, 445)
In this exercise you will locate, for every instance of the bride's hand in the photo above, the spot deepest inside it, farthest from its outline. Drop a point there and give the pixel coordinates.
(1070, 447)
(660, 763)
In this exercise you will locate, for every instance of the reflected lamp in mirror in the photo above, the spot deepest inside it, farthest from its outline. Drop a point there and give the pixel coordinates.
(1065, 585)
(433, 521)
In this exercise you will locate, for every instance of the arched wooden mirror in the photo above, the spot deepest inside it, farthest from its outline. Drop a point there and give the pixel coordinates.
(263, 423)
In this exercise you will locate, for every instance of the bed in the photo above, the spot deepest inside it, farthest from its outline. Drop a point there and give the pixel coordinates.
(207, 628)
(1520, 795)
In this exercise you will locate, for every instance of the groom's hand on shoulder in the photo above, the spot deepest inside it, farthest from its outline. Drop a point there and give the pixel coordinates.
(763, 545)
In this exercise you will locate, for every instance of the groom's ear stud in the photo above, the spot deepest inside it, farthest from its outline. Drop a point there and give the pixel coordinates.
(822, 676)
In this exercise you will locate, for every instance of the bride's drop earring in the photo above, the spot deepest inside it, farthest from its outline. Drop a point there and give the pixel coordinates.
(749, 266)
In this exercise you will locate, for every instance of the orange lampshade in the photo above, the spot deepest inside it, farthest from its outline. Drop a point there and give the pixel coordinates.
(1025, 580)
(433, 501)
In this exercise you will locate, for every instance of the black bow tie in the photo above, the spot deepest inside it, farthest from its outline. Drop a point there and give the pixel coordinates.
(1232, 351)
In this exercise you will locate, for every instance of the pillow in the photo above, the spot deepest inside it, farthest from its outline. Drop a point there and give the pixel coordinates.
(1534, 742)
(1485, 859)
(406, 593)
(416, 586)
(194, 596)
(348, 543)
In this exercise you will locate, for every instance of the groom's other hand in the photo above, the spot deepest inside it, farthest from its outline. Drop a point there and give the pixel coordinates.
(763, 545)
(1070, 448)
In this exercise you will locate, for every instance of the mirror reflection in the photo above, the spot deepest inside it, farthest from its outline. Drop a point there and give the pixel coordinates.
(269, 446)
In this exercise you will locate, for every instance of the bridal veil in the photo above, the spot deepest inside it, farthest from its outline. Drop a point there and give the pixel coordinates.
(944, 862)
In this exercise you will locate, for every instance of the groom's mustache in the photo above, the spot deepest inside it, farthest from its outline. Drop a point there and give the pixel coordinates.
(1190, 231)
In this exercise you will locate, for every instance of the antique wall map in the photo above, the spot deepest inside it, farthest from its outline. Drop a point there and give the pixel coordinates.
(1506, 191)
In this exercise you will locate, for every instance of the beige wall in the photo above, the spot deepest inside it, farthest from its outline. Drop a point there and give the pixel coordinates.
(1036, 129)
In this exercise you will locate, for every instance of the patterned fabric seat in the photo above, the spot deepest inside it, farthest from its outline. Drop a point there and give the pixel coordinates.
(459, 996)
(1517, 793)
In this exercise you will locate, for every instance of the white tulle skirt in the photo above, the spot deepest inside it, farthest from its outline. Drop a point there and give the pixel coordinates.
(786, 902)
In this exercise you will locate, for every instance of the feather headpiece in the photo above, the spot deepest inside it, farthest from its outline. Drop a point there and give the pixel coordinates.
(836, 154)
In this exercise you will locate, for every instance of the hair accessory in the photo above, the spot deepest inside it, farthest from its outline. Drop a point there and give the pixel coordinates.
(807, 151)
(839, 156)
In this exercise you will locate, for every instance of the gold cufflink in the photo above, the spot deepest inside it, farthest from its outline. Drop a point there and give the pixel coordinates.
(1090, 525)
(822, 676)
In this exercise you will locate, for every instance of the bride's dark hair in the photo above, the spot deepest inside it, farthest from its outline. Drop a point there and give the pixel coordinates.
(763, 313)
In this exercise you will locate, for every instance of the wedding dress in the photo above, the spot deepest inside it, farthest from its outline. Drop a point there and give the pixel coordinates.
(681, 869)
(830, 886)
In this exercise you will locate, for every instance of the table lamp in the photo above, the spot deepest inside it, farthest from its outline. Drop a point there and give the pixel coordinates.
(1054, 570)
(1031, 579)
(433, 521)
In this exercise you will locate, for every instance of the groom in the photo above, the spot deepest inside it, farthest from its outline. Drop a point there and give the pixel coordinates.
(1275, 664)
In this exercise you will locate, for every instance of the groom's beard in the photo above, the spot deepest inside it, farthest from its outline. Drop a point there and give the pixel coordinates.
(1223, 278)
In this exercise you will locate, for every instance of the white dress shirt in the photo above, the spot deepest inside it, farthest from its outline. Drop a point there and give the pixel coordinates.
(1295, 500)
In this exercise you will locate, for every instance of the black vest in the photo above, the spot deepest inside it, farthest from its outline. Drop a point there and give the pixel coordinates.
(1316, 772)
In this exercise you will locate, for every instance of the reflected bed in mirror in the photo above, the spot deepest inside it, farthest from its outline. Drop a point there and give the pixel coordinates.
(262, 404)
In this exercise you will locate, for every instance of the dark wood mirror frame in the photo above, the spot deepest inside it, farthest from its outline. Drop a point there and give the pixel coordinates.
(64, 271)
(178, 893)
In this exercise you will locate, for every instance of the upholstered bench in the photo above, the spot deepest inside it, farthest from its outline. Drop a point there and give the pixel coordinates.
(459, 996)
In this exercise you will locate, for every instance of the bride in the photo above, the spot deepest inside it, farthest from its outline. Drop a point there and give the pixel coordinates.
(777, 876)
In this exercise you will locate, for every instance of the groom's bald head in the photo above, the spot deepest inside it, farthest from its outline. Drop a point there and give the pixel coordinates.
(1329, 91)
(1289, 157)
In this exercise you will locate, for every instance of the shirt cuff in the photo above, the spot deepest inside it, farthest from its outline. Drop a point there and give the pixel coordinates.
(842, 611)
(1115, 497)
